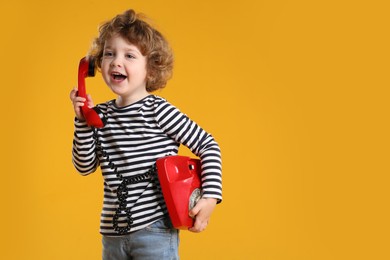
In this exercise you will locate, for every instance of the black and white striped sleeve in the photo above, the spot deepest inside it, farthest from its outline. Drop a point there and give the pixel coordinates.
(185, 131)
(84, 157)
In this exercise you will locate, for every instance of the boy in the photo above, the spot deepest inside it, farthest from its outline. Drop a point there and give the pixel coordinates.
(135, 60)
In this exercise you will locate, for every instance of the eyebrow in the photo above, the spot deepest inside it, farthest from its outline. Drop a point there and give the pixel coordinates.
(127, 49)
(133, 49)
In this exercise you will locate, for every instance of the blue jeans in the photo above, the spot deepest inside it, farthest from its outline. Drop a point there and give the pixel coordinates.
(157, 241)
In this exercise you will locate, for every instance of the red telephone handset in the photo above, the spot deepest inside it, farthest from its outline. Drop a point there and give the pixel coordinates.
(93, 116)
(179, 178)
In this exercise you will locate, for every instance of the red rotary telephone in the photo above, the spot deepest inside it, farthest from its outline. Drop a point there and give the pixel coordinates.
(181, 187)
(93, 116)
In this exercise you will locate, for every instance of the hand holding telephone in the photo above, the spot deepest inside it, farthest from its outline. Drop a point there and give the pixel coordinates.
(93, 116)
(179, 178)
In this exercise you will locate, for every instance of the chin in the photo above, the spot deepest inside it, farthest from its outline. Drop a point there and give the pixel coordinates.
(118, 90)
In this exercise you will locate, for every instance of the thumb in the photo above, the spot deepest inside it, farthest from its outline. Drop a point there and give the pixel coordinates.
(194, 211)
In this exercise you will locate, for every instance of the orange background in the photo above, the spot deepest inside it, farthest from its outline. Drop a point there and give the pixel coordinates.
(295, 92)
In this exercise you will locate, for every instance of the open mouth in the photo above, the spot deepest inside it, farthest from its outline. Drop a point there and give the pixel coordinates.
(118, 76)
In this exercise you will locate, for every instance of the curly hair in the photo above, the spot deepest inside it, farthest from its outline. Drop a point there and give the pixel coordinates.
(149, 41)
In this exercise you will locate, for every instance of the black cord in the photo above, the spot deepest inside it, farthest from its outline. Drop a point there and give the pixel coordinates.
(122, 190)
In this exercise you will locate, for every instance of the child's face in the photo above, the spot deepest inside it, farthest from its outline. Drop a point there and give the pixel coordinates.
(124, 69)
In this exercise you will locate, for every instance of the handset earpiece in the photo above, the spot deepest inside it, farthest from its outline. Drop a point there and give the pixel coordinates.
(93, 116)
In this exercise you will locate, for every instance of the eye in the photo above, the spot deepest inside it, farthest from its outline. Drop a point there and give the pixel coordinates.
(108, 54)
(130, 56)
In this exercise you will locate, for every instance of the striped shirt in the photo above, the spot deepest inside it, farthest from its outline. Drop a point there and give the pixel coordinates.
(133, 138)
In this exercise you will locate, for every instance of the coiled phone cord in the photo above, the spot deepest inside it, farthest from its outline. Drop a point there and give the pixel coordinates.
(122, 190)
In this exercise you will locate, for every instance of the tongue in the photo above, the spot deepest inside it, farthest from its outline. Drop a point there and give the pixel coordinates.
(119, 77)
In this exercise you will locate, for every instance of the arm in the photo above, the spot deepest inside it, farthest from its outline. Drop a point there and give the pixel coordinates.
(183, 130)
(84, 157)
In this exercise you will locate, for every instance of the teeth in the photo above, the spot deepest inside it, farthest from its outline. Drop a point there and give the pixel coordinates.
(117, 75)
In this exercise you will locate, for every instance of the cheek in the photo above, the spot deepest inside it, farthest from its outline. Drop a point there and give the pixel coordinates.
(145, 72)
(105, 75)
(104, 70)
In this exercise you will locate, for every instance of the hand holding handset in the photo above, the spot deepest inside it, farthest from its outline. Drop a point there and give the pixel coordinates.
(93, 116)
(179, 178)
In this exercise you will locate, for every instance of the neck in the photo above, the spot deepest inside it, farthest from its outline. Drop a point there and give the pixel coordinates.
(125, 101)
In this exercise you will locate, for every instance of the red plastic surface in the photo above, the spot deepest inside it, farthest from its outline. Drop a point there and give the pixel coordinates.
(179, 176)
(91, 116)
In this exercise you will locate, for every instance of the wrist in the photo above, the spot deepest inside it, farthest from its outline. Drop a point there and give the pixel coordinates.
(211, 200)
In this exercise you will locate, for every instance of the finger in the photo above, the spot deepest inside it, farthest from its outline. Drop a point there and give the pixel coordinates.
(74, 98)
(73, 94)
(79, 104)
(194, 229)
(199, 226)
(194, 211)
(79, 101)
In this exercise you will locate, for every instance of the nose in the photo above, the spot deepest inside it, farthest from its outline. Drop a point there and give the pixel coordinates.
(116, 62)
